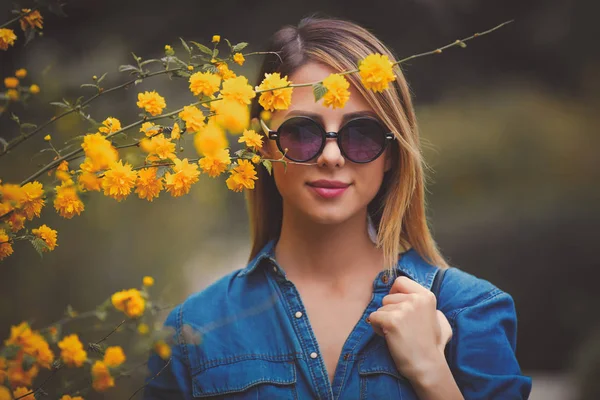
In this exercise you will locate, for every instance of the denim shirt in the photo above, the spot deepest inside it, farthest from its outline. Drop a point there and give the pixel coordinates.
(247, 336)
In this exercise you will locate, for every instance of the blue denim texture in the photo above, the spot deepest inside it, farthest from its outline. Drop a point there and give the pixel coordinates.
(241, 338)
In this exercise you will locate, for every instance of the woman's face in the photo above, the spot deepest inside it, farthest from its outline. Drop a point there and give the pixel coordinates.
(299, 186)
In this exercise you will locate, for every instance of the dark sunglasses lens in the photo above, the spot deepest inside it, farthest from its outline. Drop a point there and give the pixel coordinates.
(301, 137)
(363, 141)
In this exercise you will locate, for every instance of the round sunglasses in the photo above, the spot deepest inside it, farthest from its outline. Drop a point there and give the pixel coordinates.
(301, 139)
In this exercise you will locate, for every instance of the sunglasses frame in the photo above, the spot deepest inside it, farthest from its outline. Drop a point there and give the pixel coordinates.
(274, 135)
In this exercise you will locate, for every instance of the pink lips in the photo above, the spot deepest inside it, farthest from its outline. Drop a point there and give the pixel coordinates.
(328, 189)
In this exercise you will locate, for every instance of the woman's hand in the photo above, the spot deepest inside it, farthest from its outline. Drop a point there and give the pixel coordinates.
(416, 333)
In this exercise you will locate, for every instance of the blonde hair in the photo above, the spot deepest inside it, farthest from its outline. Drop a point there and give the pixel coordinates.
(398, 209)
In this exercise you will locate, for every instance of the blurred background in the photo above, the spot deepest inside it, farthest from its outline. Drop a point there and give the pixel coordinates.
(509, 124)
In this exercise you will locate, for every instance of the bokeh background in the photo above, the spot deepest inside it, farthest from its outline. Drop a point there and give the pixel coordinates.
(509, 124)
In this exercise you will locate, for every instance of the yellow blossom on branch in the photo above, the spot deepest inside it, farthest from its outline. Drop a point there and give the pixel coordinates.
(48, 235)
(21, 73)
(110, 125)
(99, 150)
(216, 38)
(279, 99)
(148, 186)
(143, 329)
(33, 199)
(231, 115)
(7, 38)
(251, 139)
(224, 71)
(210, 139)
(67, 202)
(20, 393)
(193, 118)
(11, 82)
(376, 72)
(184, 176)
(242, 176)
(68, 397)
(72, 352)
(216, 163)
(238, 89)
(148, 281)
(205, 83)
(102, 380)
(149, 129)
(119, 180)
(159, 146)
(162, 349)
(12, 94)
(114, 356)
(32, 20)
(255, 159)
(337, 91)
(176, 131)
(34, 89)
(130, 302)
(5, 246)
(151, 102)
(239, 58)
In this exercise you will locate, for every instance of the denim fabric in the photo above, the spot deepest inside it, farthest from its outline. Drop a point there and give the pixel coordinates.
(247, 336)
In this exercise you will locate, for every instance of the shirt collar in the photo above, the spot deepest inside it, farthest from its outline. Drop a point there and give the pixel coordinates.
(410, 263)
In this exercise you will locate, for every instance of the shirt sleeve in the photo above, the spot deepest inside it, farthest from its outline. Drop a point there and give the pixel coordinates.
(169, 379)
(481, 353)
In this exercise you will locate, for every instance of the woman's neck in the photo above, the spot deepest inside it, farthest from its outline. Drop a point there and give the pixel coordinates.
(334, 254)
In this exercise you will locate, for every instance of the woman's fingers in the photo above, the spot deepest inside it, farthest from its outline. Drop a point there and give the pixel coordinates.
(446, 329)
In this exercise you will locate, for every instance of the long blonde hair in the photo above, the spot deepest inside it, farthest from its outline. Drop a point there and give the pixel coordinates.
(398, 209)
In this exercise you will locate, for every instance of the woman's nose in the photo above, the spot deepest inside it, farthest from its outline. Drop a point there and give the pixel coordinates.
(331, 155)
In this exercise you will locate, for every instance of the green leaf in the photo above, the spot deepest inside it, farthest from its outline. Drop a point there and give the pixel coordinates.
(10, 352)
(39, 245)
(89, 85)
(149, 61)
(215, 53)
(161, 171)
(229, 44)
(319, 91)
(185, 45)
(28, 362)
(138, 81)
(239, 47)
(101, 315)
(128, 67)
(26, 125)
(15, 118)
(268, 165)
(101, 78)
(202, 48)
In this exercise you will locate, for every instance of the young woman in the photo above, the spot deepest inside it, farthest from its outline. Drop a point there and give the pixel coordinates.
(336, 300)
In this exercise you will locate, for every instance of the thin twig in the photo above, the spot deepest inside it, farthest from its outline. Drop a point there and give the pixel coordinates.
(7, 23)
(146, 384)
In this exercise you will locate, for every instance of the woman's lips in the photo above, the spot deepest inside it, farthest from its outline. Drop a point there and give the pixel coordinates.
(328, 189)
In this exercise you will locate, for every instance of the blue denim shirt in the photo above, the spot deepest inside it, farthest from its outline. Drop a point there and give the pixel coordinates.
(247, 336)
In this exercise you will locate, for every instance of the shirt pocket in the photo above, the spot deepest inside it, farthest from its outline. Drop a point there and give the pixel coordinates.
(247, 379)
(380, 379)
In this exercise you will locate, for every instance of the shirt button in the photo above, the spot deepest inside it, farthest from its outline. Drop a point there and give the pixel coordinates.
(313, 355)
(385, 279)
(275, 269)
(298, 314)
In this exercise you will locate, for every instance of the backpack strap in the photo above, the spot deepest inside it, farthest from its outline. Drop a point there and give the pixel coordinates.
(437, 281)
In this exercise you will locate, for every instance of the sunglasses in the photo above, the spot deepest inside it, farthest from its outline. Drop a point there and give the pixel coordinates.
(300, 138)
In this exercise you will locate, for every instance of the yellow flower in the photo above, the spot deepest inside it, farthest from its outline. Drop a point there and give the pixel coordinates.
(184, 176)
(67, 203)
(99, 150)
(5, 246)
(11, 82)
(130, 302)
(148, 186)
(12, 94)
(204, 83)
(31, 343)
(162, 349)
(337, 91)
(242, 176)
(251, 139)
(72, 352)
(224, 71)
(148, 281)
(21, 73)
(4, 392)
(210, 139)
(238, 89)
(88, 179)
(114, 356)
(34, 89)
(7, 38)
(101, 378)
(168, 48)
(110, 125)
(255, 159)
(119, 180)
(48, 235)
(19, 376)
(190, 67)
(68, 397)
(32, 20)
(176, 131)
(151, 102)
(20, 393)
(143, 329)
(265, 115)
(47, 138)
(216, 38)
(149, 129)
(160, 146)
(279, 99)
(231, 115)
(239, 58)
(193, 118)
(32, 200)
(376, 72)
(215, 164)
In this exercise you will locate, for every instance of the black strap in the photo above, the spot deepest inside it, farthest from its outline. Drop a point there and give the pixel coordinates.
(437, 281)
